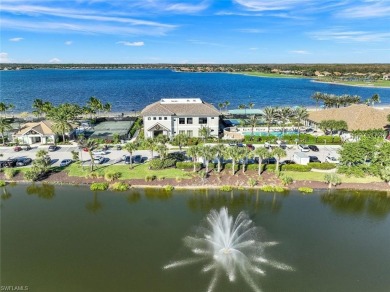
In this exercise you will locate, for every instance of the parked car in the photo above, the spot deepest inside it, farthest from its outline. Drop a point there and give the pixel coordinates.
(23, 161)
(2, 163)
(250, 147)
(126, 159)
(271, 160)
(314, 159)
(65, 162)
(283, 145)
(118, 147)
(313, 148)
(17, 148)
(267, 145)
(99, 159)
(11, 162)
(26, 147)
(99, 152)
(331, 159)
(303, 148)
(288, 161)
(53, 148)
(137, 159)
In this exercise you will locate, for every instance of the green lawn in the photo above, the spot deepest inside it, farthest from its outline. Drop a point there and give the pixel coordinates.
(318, 176)
(378, 83)
(138, 171)
(262, 74)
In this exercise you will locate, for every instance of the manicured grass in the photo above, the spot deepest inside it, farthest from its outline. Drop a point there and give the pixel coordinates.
(262, 74)
(378, 83)
(138, 171)
(319, 176)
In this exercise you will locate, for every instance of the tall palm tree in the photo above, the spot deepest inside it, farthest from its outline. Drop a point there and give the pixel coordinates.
(284, 114)
(235, 154)
(375, 99)
(89, 145)
(4, 107)
(227, 103)
(95, 104)
(261, 153)
(252, 123)
(221, 105)
(251, 105)
(300, 114)
(219, 151)
(107, 107)
(194, 153)
(204, 132)
(269, 115)
(180, 140)
(41, 107)
(206, 152)
(131, 147)
(243, 106)
(278, 153)
(5, 126)
(150, 144)
(317, 96)
(245, 155)
(162, 150)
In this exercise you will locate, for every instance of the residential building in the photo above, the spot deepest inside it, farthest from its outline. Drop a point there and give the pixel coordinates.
(35, 132)
(173, 116)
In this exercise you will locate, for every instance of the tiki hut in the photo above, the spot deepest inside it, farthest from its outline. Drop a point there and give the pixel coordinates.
(358, 117)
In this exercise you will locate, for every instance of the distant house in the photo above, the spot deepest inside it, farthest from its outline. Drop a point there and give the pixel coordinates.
(386, 77)
(357, 116)
(32, 133)
(171, 117)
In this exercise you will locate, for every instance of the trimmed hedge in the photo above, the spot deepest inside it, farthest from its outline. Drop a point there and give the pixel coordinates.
(325, 165)
(188, 165)
(158, 163)
(229, 166)
(296, 167)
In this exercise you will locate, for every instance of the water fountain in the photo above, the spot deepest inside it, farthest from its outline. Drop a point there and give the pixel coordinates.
(228, 247)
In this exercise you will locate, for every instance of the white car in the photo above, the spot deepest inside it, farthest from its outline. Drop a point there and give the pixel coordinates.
(303, 148)
(331, 159)
(99, 152)
(99, 159)
(65, 162)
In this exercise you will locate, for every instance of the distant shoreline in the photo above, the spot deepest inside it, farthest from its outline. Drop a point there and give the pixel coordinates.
(346, 84)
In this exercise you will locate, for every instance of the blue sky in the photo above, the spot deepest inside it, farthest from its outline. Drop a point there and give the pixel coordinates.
(195, 31)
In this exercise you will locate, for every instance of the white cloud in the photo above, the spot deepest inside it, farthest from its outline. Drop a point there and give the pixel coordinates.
(188, 8)
(199, 42)
(131, 44)
(68, 43)
(250, 30)
(253, 49)
(263, 5)
(300, 52)
(16, 39)
(4, 58)
(369, 9)
(339, 35)
(54, 61)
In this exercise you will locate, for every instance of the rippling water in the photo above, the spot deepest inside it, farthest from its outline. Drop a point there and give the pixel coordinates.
(129, 90)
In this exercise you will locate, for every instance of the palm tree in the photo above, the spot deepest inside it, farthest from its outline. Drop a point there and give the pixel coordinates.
(5, 126)
(131, 147)
(300, 114)
(243, 106)
(269, 116)
(89, 145)
(278, 153)
(219, 151)
(4, 107)
(60, 116)
(221, 105)
(252, 123)
(41, 107)
(245, 154)
(227, 103)
(193, 152)
(94, 104)
(162, 150)
(206, 152)
(251, 105)
(284, 114)
(204, 132)
(375, 99)
(107, 107)
(180, 140)
(261, 153)
(235, 154)
(317, 96)
(150, 144)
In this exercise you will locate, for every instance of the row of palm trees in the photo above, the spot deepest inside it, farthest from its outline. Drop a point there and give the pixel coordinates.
(332, 100)
(236, 154)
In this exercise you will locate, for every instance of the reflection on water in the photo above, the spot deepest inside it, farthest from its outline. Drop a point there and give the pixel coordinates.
(227, 247)
(375, 204)
(5, 194)
(44, 191)
(95, 205)
(157, 194)
(254, 200)
(133, 197)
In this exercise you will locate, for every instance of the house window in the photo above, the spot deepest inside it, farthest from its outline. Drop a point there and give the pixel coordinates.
(182, 121)
(154, 118)
(160, 118)
(189, 120)
(182, 132)
(149, 118)
(202, 121)
(165, 118)
(190, 133)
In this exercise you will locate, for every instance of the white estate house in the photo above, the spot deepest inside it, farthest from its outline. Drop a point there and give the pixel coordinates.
(173, 116)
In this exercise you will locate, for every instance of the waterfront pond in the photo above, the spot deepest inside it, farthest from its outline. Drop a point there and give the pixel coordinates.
(67, 238)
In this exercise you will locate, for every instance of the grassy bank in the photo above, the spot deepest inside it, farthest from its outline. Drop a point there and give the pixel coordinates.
(319, 176)
(378, 83)
(272, 75)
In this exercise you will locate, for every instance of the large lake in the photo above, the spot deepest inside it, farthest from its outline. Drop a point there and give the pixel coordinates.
(129, 90)
(70, 239)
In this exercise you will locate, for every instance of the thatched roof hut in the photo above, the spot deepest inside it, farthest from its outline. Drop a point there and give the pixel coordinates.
(357, 116)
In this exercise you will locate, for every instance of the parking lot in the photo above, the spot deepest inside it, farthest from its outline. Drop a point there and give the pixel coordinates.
(114, 156)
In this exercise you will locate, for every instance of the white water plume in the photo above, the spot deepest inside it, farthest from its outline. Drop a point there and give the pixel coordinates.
(229, 247)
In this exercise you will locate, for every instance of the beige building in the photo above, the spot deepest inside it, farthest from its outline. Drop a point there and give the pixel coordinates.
(171, 117)
(32, 133)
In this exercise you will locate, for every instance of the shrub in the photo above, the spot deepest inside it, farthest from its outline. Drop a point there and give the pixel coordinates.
(305, 190)
(2, 183)
(226, 188)
(178, 156)
(325, 165)
(228, 166)
(270, 167)
(188, 165)
(253, 166)
(149, 178)
(10, 173)
(95, 174)
(119, 186)
(252, 182)
(169, 188)
(296, 167)
(99, 186)
(160, 177)
(31, 174)
(269, 188)
(110, 176)
(286, 180)
(158, 163)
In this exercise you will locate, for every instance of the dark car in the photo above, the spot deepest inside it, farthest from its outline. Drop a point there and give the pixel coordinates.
(10, 162)
(26, 147)
(17, 148)
(287, 162)
(23, 161)
(314, 159)
(2, 163)
(250, 147)
(313, 148)
(53, 148)
(271, 160)
(137, 159)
